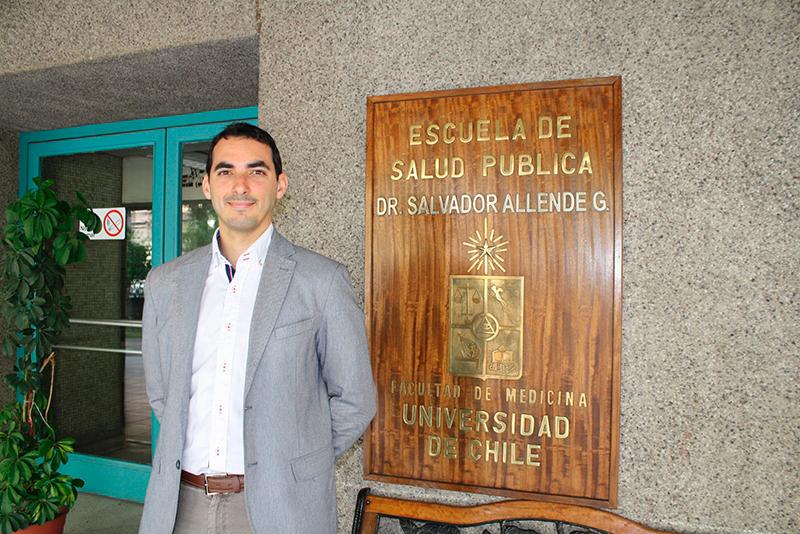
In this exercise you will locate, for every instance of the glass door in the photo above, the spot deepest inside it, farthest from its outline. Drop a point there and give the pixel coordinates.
(190, 219)
(98, 393)
(150, 171)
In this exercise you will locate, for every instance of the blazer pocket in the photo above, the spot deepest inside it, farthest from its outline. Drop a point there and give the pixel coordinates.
(294, 329)
(312, 464)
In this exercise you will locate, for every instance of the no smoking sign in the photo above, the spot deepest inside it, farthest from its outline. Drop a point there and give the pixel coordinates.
(113, 220)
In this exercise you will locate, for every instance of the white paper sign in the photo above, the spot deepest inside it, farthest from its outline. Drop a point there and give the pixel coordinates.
(112, 224)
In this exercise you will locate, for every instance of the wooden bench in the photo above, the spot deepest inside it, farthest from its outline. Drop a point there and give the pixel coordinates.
(444, 518)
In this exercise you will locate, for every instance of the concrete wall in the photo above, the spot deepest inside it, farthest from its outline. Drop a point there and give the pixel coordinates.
(9, 165)
(39, 34)
(710, 356)
(66, 63)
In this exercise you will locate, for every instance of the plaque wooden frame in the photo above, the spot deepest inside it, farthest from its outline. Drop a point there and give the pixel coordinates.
(600, 98)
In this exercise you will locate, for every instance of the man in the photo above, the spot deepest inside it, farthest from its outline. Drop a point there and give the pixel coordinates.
(256, 364)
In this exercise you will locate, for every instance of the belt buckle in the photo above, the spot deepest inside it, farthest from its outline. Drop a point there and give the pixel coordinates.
(205, 482)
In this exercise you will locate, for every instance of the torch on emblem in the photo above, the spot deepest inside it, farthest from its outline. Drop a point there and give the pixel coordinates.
(485, 338)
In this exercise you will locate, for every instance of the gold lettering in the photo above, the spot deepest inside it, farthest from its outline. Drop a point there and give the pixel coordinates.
(465, 422)
(519, 130)
(492, 451)
(409, 419)
(533, 455)
(482, 129)
(499, 425)
(433, 135)
(450, 417)
(412, 171)
(425, 415)
(450, 447)
(488, 161)
(424, 175)
(545, 127)
(514, 460)
(511, 395)
(415, 134)
(447, 137)
(440, 172)
(527, 425)
(555, 205)
(586, 164)
(481, 420)
(525, 165)
(509, 170)
(562, 126)
(564, 168)
(497, 136)
(397, 170)
(465, 138)
(539, 170)
(582, 400)
(472, 454)
(457, 174)
(434, 447)
(562, 427)
(544, 426)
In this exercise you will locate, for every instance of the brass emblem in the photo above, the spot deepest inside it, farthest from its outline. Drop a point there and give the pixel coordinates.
(485, 338)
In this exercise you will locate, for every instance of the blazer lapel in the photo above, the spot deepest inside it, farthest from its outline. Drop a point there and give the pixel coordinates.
(275, 278)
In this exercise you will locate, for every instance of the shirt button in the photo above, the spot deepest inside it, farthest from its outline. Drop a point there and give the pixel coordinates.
(178, 464)
(228, 326)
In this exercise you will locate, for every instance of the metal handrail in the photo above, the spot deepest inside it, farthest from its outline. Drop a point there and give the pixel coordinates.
(108, 322)
(126, 323)
(98, 349)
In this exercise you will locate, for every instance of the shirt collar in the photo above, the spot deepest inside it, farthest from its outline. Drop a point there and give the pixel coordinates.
(258, 250)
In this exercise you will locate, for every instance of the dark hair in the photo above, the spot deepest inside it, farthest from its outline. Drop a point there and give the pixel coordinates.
(248, 131)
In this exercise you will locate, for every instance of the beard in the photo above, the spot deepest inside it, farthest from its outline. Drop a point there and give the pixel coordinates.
(236, 220)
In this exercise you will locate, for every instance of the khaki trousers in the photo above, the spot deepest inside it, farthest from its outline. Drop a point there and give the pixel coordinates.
(199, 513)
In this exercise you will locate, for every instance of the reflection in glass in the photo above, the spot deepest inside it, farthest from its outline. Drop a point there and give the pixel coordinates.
(198, 219)
(99, 396)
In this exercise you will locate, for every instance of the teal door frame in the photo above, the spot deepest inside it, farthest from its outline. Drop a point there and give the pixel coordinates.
(165, 135)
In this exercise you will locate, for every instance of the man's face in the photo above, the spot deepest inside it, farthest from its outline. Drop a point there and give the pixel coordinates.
(242, 185)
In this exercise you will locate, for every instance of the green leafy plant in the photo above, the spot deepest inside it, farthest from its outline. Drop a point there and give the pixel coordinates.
(41, 236)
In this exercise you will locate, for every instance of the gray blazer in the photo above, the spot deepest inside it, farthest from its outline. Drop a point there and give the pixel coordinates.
(309, 392)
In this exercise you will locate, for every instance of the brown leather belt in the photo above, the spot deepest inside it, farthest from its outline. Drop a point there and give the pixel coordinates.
(214, 484)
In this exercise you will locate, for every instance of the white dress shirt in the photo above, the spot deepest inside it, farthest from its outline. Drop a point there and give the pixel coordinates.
(214, 435)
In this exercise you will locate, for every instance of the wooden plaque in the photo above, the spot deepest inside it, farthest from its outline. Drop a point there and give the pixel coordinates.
(493, 254)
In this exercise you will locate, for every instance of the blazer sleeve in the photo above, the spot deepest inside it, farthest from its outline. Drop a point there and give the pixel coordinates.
(345, 363)
(154, 383)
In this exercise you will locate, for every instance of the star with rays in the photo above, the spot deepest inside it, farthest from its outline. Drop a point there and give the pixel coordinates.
(485, 250)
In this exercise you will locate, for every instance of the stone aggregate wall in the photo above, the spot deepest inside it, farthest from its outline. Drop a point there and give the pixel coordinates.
(39, 34)
(709, 437)
(9, 172)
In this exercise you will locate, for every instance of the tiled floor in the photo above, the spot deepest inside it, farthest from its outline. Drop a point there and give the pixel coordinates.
(137, 413)
(93, 514)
